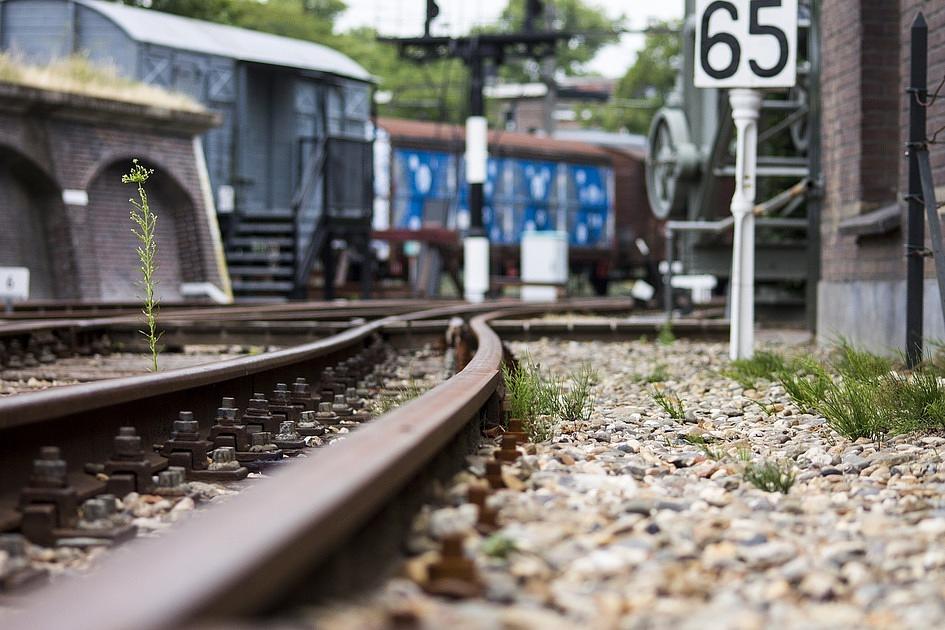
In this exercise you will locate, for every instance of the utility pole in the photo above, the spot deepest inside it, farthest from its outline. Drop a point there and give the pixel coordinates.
(475, 51)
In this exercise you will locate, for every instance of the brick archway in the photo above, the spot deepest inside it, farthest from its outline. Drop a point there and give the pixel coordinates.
(34, 232)
(115, 245)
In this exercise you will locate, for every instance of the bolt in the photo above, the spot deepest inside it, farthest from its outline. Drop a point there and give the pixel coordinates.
(49, 471)
(287, 431)
(224, 455)
(351, 397)
(173, 477)
(453, 575)
(258, 404)
(325, 414)
(517, 430)
(94, 510)
(127, 444)
(185, 427)
(340, 407)
(46, 355)
(13, 544)
(508, 452)
(224, 458)
(261, 438)
(494, 474)
(280, 395)
(226, 416)
(110, 502)
(478, 496)
(301, 393)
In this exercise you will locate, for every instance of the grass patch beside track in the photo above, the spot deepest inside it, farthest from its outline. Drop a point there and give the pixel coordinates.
(859, 393)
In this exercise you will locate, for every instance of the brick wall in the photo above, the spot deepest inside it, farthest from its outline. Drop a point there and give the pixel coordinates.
(89, 249)
(861, 94)
(866, 57)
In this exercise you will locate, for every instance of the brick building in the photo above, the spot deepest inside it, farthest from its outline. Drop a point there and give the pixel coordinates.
(865, 71)
(63, 208)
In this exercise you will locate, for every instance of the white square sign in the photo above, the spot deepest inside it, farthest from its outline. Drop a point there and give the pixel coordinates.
(746, 43)
(14, 283)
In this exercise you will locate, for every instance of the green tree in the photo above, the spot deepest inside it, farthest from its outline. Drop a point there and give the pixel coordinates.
(302, 19)
(645, 86)
(590, 26)
(430, 91)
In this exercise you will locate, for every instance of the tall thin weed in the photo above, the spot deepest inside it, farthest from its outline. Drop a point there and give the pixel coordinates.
(146, 232)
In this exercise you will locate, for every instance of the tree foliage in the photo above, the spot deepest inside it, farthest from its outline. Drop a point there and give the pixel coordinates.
(431, 91)
(302, 19)
(646, 85)
(590, 26)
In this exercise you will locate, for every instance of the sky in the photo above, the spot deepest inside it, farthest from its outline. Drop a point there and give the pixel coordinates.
(405, 17)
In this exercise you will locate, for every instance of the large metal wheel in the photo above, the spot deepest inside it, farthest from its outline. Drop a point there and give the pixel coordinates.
(672, 162)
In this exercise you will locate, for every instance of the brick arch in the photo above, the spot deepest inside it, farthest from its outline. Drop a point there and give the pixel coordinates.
(107, 159)
(34, 230)
(115, 246)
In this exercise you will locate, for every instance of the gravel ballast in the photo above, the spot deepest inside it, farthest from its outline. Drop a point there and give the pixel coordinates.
(638, 520)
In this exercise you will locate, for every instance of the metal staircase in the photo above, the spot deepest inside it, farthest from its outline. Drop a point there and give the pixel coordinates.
(270, 253)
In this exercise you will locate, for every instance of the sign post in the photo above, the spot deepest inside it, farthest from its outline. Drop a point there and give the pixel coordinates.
(745, 45)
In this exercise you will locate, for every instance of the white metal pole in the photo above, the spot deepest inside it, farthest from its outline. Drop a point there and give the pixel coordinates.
(746, 105)
(476, 243)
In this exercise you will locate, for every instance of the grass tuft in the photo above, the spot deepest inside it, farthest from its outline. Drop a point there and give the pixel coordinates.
(658, 374)
(539, 398)
(384, 404)
(764, 364)
(670, 403)
(666, 336)
(770, 476)
(806, 383)
(859, 364)
(76, 74)
(498, 546)
(574, 403)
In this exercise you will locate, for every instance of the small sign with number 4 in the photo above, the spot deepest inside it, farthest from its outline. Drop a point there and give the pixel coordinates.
(746, 43)
(14, 283)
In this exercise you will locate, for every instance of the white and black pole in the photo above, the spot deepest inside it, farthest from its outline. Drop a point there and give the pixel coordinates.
(476, 243)
(745, 45)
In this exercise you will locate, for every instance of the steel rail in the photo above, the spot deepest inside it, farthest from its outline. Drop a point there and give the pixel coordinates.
(239, 556)
(171, 310)
(83, 419)
(70, 400)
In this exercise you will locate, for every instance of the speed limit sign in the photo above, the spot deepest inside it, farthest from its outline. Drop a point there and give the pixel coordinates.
(746, 43)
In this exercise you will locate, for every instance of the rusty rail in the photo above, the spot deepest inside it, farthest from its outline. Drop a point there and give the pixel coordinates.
(238, 557)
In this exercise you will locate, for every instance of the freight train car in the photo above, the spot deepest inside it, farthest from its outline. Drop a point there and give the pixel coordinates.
(595, 194)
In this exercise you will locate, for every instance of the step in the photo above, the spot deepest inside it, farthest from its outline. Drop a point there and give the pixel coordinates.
(267, 215)
(237, 258)
(262, 286)
(280, 272)
(265, 228)
(261, 241)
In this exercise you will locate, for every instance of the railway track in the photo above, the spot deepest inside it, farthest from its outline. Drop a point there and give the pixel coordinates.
(308, 515)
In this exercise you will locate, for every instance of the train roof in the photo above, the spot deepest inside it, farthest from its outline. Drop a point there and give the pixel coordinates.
(434, 135)
(174, 31)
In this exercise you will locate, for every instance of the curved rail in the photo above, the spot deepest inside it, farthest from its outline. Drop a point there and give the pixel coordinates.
(238, 556)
